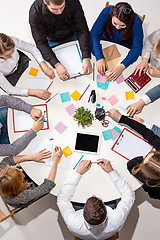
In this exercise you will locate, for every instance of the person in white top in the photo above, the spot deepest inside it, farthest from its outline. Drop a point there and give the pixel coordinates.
(151, 54)
(9, 63)
(95, 221)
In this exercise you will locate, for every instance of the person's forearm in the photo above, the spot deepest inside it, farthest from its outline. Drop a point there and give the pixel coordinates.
(20, 158)
(53, 171)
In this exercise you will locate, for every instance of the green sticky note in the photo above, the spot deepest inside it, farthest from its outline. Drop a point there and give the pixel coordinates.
(98, 105)
(107, 134)
(118, 130)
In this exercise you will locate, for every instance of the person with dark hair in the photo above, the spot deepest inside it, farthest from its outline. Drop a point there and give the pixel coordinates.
(54, 22)
(118, 24)
(147, 168)
(96, 220)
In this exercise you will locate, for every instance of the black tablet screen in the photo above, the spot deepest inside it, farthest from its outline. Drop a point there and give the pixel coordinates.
(87, 142)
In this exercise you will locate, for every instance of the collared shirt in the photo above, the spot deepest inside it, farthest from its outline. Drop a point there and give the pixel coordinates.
(149, 48)
(115, 218)
(59, 28)
(9, 65)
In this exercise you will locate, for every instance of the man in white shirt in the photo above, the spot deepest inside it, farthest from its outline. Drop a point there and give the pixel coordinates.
(95, 221)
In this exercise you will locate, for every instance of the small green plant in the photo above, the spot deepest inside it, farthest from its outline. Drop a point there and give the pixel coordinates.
(83, 116)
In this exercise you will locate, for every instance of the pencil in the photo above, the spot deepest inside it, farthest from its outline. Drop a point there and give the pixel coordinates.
(78, 161)
(49, 85)
(52, 97)
(84, 92)
(93, 70)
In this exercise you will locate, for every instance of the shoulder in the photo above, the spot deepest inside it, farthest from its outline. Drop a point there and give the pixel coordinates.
(137, 19)
(106, 10)
(36, 6)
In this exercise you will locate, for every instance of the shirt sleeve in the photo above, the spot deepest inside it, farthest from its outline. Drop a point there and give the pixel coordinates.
(64, 198)
(146, 99)
(141, 129)
(97, 31)
(154, 93)
(8, 88)
(137, 44)
(7, 161)
(16, 103)
(127, 197)
(17, 146)
(25, 46)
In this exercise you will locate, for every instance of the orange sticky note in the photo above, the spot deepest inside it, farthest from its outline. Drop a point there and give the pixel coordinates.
(33, 72)
(58, 160)
(129, 95)
(67, 151)
(75, 95)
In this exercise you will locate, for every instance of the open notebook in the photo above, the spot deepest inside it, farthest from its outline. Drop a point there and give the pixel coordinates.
(71, 59)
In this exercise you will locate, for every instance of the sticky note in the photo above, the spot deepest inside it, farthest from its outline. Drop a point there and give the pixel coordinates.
(120, 79)
(98, 105)
(33, 72)
(101, 78)
(65, 97)
(59, 160)
(60, 127)
(103, 86)
(115, 134)
(67, 151)
(75, 95)
(103, 98)
(71, 109)
(118, 130)
(129, 95)
(107, 134)
(113, 100)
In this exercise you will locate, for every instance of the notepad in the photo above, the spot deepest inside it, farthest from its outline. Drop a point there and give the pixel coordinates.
(22, 121)
(70, 58)
(129, 145)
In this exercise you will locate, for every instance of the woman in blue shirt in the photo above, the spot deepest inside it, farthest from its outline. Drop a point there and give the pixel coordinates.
(118, 24)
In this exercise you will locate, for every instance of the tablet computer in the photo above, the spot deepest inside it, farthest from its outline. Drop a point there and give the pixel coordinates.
(87, 143)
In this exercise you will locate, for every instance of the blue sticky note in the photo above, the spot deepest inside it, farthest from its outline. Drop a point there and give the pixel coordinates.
(98, 105)
(107, 134)
(103, 85)
(118, 130)
(65, 97)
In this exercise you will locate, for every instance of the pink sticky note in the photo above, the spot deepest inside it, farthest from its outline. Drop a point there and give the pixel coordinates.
(60, 127)
(71, 109)
(101, 78)
(113, 100)
(120, 79)
(115, 134)
(103, 98)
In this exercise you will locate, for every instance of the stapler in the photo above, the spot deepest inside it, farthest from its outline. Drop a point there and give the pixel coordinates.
(92, 96)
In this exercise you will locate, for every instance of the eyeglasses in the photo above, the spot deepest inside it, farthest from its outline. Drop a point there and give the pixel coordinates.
(124, 9)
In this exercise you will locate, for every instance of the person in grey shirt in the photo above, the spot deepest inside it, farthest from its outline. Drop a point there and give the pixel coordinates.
(7, 149)
(17, 192)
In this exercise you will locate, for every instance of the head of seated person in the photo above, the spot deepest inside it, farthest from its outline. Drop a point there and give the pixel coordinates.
(95, 211)
(12, 182)
(120, 17)
(55, 6)
(6, 46)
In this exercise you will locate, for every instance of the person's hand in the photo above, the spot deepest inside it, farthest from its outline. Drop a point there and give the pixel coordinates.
(47, 70)
(62, 72)
(37, 157)
(140, 120)
(143, 66)
(57, 152)
(135, 108)
(115, 73)
(87, 67)
(114, 113)
(83, 166)
(154, 72)
(35, 112)
(101, 66)
(39, 93)
(38, 125)
(105, 165)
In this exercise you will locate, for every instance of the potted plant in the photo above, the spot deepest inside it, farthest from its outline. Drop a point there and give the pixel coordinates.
(83, 116)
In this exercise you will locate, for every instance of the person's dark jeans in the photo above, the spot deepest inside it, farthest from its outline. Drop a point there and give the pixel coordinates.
(4, 139)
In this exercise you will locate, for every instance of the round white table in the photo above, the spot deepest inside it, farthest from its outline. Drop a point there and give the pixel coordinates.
(95, 181)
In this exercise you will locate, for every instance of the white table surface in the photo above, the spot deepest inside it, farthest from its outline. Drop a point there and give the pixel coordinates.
(95, 181)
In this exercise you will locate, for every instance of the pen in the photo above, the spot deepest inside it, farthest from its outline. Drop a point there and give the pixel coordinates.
(58, 153)
(52, 97)
(42, 119)
(49, 85)
(98, 162)
(78, 161)
(84, 92)
(93, 70)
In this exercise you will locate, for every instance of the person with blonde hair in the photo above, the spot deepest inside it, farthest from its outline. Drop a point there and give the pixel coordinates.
(13, 63)
(147, 168)
(14, 189)
(151, 54)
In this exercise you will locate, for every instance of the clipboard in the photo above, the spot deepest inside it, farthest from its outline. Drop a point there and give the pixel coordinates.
(71, 59)
(23, 121)
(129, 145)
